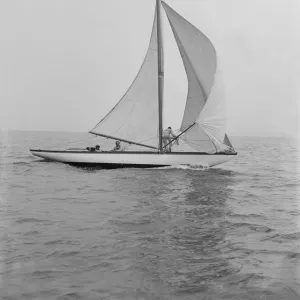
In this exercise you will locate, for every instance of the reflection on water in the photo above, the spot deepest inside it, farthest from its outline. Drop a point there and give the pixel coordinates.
(176, 233)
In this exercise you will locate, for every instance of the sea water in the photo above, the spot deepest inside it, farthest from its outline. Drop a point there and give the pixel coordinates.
(230, 232)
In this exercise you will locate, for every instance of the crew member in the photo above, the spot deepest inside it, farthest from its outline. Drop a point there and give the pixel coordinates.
(167, 138)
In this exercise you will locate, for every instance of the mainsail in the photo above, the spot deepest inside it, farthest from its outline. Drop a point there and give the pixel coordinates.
(135, 117)
(204, 105)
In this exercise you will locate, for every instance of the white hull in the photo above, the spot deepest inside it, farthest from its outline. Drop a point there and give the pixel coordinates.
(133, 159)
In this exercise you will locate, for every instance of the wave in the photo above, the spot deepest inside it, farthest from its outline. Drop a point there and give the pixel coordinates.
(101, 291)
(254, 216)
(22, 159)
(70, 296)
(236, 278)
(53, 242)
(249, 195)
(63, 254)
(45, 274)
(14, 185)
(55, 253)
(297, 184)
(292, 236)
(293, 255)
(253, 227)
(101, 265)
(30, 220)
(282, 238)
(183, 167)
(31, 233)
(26, 163)
(287, 254)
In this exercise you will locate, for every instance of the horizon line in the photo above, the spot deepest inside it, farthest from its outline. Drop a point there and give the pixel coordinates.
(237, 134)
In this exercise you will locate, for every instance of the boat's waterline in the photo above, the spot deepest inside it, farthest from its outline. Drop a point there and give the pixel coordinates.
(133, 159)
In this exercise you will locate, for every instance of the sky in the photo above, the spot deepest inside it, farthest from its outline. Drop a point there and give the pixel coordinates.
(65, 63)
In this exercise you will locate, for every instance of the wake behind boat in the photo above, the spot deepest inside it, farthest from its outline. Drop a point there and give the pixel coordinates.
(137, 119)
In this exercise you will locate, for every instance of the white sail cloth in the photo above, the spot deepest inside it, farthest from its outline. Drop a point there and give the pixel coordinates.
(205, 104)
(199, 58)
(135, 117)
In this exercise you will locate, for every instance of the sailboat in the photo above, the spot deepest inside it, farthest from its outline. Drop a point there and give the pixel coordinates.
(137, 119)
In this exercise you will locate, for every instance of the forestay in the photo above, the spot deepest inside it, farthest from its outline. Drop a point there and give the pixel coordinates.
(135, 117)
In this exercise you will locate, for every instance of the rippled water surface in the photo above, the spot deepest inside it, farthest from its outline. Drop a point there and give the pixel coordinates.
(230, 232)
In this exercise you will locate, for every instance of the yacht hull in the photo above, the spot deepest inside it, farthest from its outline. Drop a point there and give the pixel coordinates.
(133, 159)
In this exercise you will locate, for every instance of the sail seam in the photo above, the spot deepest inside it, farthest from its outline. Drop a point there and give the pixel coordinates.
(208, 136)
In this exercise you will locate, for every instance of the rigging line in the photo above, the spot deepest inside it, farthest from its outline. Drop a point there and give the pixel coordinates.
(214, 120)
(152, 138)
(211, 131)
(202, 140)
(123, 140)
(205, 131)
(130, 143)
(179, 135)
(218, 122)
(212, 135)
(209, 128)
(193, 141)
(213, 126)
(149, 139)
(134, 80)
(176, 130)
(209, 124)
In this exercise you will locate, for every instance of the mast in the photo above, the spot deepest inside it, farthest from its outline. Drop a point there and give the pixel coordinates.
(160, 75)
